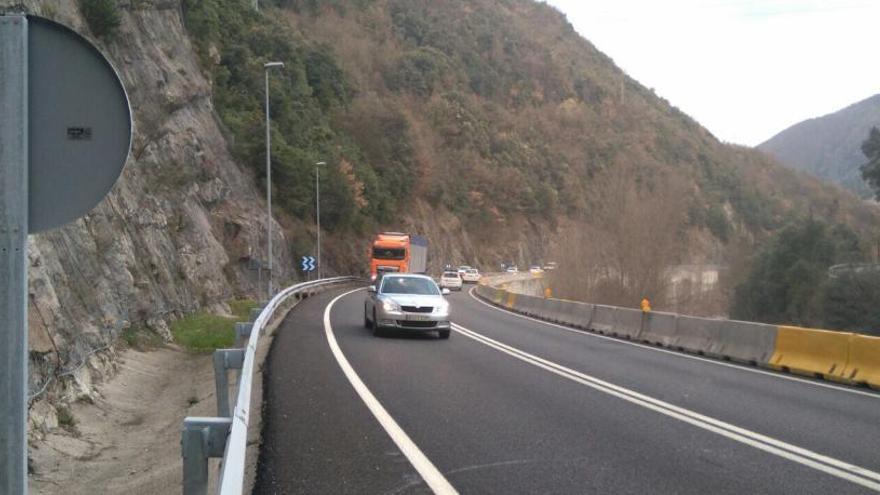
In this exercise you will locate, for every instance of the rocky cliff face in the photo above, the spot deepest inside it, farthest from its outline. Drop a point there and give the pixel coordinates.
(177, 232)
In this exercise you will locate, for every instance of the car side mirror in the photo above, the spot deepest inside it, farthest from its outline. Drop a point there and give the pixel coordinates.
(371, 288)
(445, 291)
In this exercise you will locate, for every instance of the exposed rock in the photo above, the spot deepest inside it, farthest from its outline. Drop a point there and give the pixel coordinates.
(169, 237)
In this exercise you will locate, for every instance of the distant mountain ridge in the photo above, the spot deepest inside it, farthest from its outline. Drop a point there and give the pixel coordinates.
(829, 147)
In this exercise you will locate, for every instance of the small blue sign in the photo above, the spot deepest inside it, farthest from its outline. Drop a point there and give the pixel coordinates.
(308, 263)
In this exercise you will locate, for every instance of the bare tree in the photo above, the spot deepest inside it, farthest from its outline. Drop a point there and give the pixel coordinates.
(624, 250)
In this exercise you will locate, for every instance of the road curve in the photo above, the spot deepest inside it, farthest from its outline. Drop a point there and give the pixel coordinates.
(513, 405)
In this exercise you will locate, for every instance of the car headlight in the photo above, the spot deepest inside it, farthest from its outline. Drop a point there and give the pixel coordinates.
(442, 308)
(389, 305)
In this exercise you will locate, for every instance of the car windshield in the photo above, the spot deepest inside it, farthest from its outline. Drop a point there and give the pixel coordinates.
(472, 270)
(381, 253)
(409, 285)
(450, 274)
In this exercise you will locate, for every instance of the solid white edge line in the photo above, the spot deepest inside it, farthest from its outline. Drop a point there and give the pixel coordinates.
(840, 469)
(426, 469)
(685, 355)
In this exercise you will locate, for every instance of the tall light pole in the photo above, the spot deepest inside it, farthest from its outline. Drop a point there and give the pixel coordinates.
(318, 209)
(266, 67)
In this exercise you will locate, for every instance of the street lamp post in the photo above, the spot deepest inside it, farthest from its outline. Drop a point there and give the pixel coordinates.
(318, 210)
(266, 67)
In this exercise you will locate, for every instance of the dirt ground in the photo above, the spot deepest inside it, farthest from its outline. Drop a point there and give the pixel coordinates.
(128, 441)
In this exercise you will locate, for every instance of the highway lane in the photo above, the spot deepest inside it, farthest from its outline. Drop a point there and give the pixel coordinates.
(492, 422)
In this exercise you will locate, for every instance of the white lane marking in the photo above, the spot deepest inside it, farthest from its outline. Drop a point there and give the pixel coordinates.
(682, 354)
(829, 465)
(426, 469)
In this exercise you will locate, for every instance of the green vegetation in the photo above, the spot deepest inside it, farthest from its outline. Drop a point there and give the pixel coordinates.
(305, 94)
(497, 113)
(850, 301)
(102, 16)
(871, 170)
(789, 283)
(140, 338)
(204, 332)
(65, 418)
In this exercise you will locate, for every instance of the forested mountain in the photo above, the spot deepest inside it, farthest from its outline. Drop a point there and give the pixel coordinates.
(829, 147)
(483, 122)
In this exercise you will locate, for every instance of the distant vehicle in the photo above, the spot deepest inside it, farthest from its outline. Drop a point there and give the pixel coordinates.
(462, 269)
(398, 252)
(451, 279)
(535, 269)
(407, 302)
(512, 269)
(551, 265)
(472, 275)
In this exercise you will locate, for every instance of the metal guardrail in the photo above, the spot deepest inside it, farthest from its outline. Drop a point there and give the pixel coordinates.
(225, 436)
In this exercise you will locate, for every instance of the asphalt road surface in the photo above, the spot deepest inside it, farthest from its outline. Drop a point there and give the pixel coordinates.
(512, 405)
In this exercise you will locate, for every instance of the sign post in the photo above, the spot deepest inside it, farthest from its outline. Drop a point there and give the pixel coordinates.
(13, 247)
(65, 134)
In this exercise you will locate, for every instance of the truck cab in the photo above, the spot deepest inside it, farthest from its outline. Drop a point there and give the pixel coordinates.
(398, 252)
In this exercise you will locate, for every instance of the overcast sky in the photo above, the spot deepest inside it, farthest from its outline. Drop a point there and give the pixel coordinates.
(745, 69)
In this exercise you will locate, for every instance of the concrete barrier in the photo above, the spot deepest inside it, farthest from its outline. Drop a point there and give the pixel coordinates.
(864, 360)
(627, 323)
(555, 310)
(745, 342)
(698, 335)
(529, 305)
(839, 356)
(812, 352)
(575, 314)
(660, 329)
(603, 319)
(500, 297)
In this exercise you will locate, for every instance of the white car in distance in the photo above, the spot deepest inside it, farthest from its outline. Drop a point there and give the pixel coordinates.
(472, 275)
(450, 279)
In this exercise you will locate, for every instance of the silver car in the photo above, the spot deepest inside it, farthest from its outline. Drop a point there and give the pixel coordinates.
(408, 302)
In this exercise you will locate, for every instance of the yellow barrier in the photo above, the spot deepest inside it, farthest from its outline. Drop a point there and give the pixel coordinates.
(864, 360)
(511, 299)
(812, 352)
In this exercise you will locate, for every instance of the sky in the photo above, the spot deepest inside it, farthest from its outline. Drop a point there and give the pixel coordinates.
(745, 69)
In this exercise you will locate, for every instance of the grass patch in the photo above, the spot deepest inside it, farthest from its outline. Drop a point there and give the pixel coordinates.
(140, 338)
(204, 332)
(241, 308)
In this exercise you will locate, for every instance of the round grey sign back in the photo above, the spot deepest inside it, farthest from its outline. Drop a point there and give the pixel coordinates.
(79, 125)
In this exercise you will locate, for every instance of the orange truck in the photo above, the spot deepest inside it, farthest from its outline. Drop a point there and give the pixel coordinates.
(398, 252)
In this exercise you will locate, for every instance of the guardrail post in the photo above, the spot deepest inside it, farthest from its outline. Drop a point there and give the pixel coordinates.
(225, 360)
(255, 313)
(243, 331)
(201, 439)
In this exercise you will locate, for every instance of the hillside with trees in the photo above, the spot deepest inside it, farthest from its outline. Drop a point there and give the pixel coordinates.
(495, 129)
(829, 147)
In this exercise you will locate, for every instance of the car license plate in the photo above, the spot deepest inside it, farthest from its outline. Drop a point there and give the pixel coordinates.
(418, 317)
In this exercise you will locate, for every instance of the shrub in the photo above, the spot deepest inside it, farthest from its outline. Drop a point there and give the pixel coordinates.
(102, 16)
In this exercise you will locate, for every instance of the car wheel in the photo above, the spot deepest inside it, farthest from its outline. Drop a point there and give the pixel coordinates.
(366, 320)
(377, 330)
(443, 334)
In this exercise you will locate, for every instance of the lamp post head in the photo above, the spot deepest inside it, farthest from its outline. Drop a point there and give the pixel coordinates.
(320, 163)
(269, 65)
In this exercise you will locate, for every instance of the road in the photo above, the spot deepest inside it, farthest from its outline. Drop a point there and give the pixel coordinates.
(512, 405)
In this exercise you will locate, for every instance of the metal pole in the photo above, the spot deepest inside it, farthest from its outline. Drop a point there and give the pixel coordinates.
(268, 192)
(13, 253)
(318, 208)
